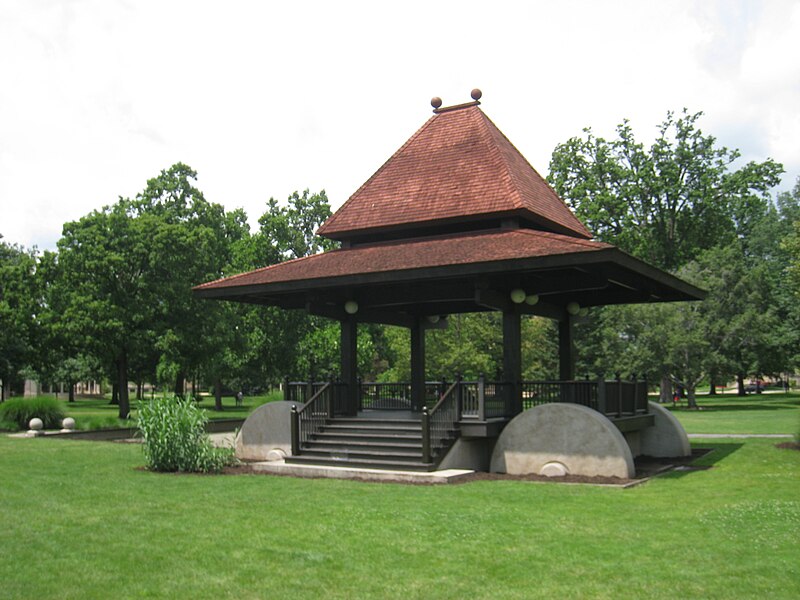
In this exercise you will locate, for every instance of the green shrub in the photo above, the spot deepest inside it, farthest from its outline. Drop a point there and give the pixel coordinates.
(17, 412)
(173, 431)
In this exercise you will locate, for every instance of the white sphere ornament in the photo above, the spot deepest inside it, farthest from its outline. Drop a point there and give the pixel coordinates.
(517, 296)
(573, 308)
(68, 424)
(531, 299)
(35, 424)
(351, 307)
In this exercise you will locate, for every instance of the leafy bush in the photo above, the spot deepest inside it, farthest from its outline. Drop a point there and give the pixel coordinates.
(17, 412)
(174, 437)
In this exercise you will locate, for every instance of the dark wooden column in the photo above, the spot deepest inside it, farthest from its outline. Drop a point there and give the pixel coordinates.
(512, 355)
(417, 364)
(348, 349)
(566, 358)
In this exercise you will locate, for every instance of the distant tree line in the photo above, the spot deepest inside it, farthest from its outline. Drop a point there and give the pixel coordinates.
(114, 302)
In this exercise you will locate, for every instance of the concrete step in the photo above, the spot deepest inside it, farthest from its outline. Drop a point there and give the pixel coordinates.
(363, 463)
(362, 453)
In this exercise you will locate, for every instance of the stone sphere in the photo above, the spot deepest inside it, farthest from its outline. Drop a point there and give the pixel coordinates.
(476, 94)
(68, 423)
(36, 424)
(436, 102)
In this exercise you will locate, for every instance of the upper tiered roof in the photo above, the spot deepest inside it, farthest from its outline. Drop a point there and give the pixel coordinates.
(457, 171)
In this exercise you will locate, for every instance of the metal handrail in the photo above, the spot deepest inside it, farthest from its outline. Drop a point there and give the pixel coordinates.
(439, 424)
(311, 417)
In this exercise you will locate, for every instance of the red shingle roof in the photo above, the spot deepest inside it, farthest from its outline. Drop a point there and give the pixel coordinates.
(458, 165)
(404, 255)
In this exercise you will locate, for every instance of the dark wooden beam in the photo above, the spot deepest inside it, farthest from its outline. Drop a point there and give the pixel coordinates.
(566, 358)
(418, 365)
(512, 355)
(493, 299)
(348, 349)
(364, 315)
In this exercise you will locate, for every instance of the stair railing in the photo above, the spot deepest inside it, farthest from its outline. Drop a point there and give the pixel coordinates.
(440, 424)
(310, 418)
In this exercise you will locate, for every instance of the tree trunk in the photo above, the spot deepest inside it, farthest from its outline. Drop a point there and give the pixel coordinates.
(217, 394)
(665, 391)
(691, 400)
(71, 395)
(740, 385)
(139, 386)
(180, 381)
(122, 382)
(114, 393)
(712, 390)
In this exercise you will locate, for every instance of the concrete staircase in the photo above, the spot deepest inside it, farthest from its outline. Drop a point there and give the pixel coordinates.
(367, 443)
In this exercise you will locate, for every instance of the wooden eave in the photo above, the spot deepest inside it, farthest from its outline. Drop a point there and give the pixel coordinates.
(593, 278)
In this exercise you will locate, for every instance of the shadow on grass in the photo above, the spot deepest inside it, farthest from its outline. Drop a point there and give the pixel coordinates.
(705, 458)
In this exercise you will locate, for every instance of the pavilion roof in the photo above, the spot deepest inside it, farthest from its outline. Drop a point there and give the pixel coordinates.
(499, 259)
(458, 167)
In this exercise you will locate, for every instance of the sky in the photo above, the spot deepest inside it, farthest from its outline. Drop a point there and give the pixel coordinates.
(265, 98)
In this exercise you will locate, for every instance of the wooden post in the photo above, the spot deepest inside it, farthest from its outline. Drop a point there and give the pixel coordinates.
(295, 422)
(417, 365)
(481, 397)
(601, 394)
(619, 395)
(348, 350)
(512, 356)
(566, 359)
(459, 397)
(426, 435)
(286, 396)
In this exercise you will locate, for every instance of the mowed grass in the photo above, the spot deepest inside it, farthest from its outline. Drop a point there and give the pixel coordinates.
(98, 413)
(81, 520)
(754, 413)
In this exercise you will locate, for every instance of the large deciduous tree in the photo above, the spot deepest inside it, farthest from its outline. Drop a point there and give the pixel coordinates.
(18, 306)
(684, 200)
(666, 203)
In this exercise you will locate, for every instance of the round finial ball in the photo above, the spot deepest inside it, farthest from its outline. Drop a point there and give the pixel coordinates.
(35, 424)
(436, 102)
(476, 94)
(68, 423)
(433, 318)
(573, 308)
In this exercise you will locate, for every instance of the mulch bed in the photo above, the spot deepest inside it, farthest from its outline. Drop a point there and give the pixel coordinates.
(788, 446)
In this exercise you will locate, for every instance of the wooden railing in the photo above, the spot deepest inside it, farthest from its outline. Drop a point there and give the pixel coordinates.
(481, 399)
(440, 424)
(310, 418)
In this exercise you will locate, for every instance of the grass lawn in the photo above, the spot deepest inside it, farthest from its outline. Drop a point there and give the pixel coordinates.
(755, 413)
(80, 520)
(97, 413)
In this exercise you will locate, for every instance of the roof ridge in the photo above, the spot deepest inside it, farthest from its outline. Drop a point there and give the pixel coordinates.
(486, 126)
(513, 175)
(260, 269)
(332, 219)
(571, 238)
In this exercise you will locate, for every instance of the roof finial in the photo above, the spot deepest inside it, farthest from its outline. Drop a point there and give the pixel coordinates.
(476, 94)
(436, 102)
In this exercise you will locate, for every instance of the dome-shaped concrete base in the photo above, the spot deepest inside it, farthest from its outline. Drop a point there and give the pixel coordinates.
(267, 433)
(667, 438)
(579, 439)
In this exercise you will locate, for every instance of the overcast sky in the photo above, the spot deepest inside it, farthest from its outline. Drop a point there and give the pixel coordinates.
(264, 98)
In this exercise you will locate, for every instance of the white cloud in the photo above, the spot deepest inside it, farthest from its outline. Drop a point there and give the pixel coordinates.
(266, 98)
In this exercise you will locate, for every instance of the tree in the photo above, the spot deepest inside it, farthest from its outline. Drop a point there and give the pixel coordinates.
(665, 204)
(18, 304)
